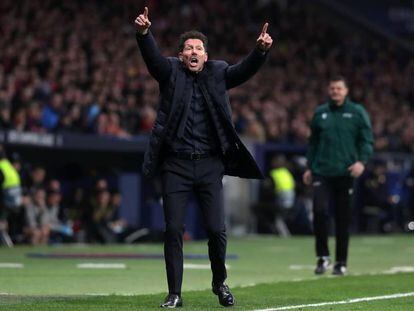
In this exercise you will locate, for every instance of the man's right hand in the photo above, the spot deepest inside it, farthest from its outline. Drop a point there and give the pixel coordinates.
(142, 22)
(264, 42)
(307, 177)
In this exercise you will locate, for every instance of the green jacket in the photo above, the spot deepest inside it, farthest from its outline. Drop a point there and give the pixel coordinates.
(340, 136)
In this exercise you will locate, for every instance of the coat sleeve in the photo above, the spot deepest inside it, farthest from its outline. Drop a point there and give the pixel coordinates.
(312, 143)
(158, 66)
(365, 137)
(242, 71)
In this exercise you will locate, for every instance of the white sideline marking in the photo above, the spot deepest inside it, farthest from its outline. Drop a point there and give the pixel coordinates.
(400, 269)
(90, 265)
(341, 302)
(11, 265)
(106, 294)
(301, 267)
(199, 266)
(85, 294)
(248, 285)
(196, 266)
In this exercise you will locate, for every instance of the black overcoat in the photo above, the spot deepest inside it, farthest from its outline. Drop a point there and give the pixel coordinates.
(218, 77)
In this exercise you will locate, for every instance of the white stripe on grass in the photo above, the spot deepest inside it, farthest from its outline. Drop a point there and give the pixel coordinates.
(11, 265)
(90, 265)
(196, 266)
(199, 266)
(248, 285)
(394, 270)
(301, 267)
(340, 302)
(106, 294)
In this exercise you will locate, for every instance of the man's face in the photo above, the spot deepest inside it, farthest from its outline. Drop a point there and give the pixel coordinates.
(193, 55)
(337, 91)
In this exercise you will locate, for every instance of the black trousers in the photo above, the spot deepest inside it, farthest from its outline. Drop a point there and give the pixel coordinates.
(338, 192)
(180, 178)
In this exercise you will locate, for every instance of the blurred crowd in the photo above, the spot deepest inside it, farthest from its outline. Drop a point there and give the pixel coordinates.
(383, 201)
(55, 211)
(75, 66)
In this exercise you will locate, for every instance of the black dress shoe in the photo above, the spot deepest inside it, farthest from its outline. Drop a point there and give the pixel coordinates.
(339, 269)
(172, 301)
(225, 297)
(322, 265)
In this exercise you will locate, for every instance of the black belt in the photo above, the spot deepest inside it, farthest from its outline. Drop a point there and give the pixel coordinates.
(193, 156)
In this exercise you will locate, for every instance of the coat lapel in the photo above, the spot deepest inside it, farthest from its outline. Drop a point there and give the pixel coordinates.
(211, 86)
(178, 92)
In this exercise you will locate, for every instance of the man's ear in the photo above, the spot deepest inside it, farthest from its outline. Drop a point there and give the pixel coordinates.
(180, 56)
(206, 57)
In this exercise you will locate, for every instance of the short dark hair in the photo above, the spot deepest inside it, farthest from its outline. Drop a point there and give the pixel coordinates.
(192, 34)
(338, 78)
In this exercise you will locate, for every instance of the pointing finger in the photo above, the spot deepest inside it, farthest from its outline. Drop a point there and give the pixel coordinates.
(264, 30)
(146, 12)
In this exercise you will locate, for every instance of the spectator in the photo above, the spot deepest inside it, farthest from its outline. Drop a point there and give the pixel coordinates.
(37, 227)
(284, 183)
(10, 195)
(60, 227)
(37, 178)
(99, 217)
(52, 112)
(80, 82)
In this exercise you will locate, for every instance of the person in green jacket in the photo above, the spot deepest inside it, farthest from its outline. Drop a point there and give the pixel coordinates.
(340, 144)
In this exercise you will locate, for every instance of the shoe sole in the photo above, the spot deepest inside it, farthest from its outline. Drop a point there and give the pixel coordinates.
(177, 306)
(225, 305)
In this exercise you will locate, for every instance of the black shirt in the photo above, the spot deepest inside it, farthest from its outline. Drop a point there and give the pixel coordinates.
(199, 133)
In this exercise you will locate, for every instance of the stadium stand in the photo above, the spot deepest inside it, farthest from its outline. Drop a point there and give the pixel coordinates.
(72, 67)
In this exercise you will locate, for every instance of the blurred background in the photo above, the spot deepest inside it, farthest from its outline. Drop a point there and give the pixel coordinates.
(77, 105)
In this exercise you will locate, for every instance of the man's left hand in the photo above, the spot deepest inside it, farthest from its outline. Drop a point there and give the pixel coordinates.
(264, 42)
(356, 169)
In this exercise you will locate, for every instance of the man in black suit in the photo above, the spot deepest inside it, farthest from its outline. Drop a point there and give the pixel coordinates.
(193, 144)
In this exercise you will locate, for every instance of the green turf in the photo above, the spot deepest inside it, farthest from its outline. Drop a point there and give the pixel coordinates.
(261, 277)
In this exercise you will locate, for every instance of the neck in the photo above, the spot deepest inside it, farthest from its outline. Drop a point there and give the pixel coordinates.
(194, 71)
(339, 103)
(200, 70)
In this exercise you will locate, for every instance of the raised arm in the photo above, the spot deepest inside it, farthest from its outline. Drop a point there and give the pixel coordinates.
(142, 22)
(242, 71)
(158, 66)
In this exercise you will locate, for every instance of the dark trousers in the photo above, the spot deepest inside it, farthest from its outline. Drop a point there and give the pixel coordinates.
(338, 192)
(180, 178)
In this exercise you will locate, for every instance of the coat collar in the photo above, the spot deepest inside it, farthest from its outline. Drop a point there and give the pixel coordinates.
(203, 74)
(334, 106)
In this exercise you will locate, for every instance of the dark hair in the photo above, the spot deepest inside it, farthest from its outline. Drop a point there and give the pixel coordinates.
(192, 34)
(338, 78)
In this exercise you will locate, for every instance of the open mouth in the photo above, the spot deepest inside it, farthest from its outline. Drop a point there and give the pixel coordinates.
(193, 61)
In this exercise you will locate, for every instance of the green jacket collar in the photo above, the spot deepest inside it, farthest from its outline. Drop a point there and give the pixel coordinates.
(333, 105)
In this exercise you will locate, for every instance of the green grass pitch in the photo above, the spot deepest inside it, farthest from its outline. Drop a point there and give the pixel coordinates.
(270, 273)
